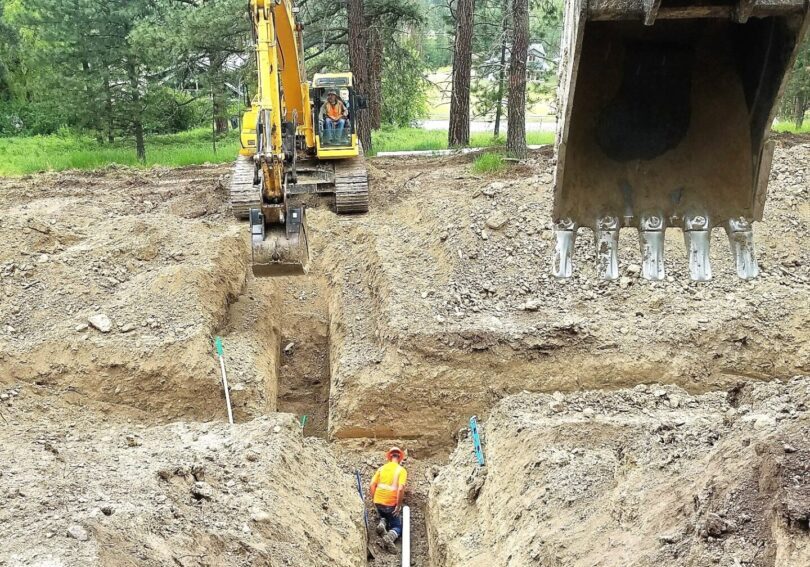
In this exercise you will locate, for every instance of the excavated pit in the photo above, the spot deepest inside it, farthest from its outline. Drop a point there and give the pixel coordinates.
(429, 309)
(441, 301)
(113, 442)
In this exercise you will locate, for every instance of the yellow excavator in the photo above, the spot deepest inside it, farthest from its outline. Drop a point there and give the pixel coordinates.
(290, 148)
(665, 115)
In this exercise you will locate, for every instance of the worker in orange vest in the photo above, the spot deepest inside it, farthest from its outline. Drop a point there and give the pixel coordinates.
(334, 117)
(387, 492)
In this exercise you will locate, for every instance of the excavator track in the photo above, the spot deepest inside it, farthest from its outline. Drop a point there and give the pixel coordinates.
(244, 195)
(351, 186)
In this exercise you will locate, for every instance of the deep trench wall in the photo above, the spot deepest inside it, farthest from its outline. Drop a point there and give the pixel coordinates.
(643, 477)
(425, 381)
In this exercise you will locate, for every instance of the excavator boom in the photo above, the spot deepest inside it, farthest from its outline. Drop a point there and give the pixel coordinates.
(666, 108)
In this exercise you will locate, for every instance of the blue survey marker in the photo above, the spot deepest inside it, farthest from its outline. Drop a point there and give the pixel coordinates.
(479, 453)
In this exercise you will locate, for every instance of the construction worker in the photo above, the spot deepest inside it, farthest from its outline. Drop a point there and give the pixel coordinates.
(334, 117)
(387, 492)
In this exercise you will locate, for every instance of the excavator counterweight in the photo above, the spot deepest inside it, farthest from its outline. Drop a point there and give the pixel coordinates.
(665, 114)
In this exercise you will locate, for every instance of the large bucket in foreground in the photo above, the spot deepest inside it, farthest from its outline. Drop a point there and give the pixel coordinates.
(279, 250)
(665, 113)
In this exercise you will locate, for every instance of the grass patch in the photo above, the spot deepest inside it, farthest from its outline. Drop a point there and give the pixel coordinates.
(417, 139)
(783, 126)
(488, 163)
(19, 156)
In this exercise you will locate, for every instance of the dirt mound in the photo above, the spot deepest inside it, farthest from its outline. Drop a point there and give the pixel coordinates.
(442, 300)
(81, 490)
(642, 477)
(114, 284)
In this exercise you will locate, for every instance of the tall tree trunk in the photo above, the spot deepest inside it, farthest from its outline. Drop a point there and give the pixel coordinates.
(219, 99)
(799, 108)
(501, 73)
(375, 50)
(358, 59)
(459, 130)
(108, 107)
(136, 111)
(516, 129)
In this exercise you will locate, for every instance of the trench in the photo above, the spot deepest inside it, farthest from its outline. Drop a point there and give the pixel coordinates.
(304, 380)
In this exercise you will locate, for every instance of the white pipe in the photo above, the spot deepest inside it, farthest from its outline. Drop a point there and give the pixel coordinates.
(225, 385)
(406, 536)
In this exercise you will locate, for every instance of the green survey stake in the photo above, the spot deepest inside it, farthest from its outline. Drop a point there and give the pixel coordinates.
(221, 354)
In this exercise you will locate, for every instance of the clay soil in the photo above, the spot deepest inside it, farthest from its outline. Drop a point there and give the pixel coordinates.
(435, 306)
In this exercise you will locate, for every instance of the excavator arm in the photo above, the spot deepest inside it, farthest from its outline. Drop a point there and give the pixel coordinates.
(278, 232)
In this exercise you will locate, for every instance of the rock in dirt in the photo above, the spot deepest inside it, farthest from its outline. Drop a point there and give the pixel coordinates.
(497, 220)
(100, 322)
(77, 532)
(202, 491)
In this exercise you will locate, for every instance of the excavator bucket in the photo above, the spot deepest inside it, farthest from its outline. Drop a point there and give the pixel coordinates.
(665, 113)
(279, 249)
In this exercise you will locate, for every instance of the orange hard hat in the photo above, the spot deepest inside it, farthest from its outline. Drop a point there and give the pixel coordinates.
(395, 451)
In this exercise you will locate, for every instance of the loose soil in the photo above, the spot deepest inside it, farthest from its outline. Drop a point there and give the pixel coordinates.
(435, 306)
(643, 477)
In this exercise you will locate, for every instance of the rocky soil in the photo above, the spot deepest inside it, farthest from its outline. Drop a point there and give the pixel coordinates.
(435, 306)
(642, 477)
(79, 488)
(446, 302)
(115, 283)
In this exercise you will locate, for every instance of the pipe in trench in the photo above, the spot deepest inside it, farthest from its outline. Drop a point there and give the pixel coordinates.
(406, 536)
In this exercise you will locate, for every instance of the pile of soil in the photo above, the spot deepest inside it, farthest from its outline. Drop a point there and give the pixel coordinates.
(642, 477)
(442, 299)
(80, 488)
(114, 283)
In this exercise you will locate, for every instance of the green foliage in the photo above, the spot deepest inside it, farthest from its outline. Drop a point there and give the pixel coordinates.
(23, 155)
(796, 101)
(790, 127)
(489, 163)
(416, 139)
(168, 111)
(404, 87)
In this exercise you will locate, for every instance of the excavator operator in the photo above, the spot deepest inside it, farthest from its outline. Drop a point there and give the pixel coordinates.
(334, 118)
(387, 492)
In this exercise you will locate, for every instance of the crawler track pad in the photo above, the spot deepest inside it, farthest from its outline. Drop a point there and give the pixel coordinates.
(280, 254)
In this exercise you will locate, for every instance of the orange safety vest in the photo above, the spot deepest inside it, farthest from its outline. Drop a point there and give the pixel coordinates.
(335, 112)
(390, 479)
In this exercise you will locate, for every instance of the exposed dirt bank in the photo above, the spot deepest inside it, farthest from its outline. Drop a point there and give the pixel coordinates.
(148, 260)
(81, 489)
(643, 477)
(436, 314)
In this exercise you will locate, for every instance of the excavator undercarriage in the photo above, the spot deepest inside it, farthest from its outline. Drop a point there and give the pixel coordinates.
(666, 108)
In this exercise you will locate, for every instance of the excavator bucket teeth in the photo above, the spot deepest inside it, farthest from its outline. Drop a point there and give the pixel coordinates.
(666, 110)
(278, 251)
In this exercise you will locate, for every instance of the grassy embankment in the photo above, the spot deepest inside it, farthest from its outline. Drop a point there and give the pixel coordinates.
(23, 155)
(19, 156)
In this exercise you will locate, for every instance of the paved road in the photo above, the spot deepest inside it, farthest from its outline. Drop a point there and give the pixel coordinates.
(547, 125)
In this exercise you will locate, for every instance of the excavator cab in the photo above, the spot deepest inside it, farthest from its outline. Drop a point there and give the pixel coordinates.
(666, 108)
(335, 140)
